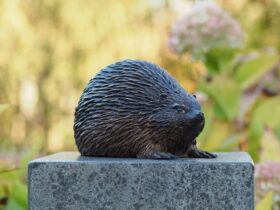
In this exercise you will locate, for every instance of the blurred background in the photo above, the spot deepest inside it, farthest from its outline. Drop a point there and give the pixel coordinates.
(225, 52)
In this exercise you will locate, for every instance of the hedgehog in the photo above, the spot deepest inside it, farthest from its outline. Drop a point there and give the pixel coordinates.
(135, 108)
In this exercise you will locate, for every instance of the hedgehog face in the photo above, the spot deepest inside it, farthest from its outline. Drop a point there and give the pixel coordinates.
(189, 114)
(183, 117)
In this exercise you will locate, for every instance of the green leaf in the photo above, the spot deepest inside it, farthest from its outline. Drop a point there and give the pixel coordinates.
(254, 136)
(3, 107)
(270, 147)
(251, 71)
(226, 95)
(14, 205)
(268, 112)
(12, 175)
(266, 202)
(217, 59)
(265, 114)
(19, 193)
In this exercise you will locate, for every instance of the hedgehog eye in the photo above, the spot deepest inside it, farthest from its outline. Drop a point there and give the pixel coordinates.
(179, 108)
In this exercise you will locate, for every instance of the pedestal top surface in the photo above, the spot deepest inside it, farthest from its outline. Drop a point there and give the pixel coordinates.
(223, 157)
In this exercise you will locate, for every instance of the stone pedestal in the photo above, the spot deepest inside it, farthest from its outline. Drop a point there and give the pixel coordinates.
(68, 181)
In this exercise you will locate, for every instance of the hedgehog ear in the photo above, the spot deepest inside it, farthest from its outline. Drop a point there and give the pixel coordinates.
(194, 96)
(163, 96)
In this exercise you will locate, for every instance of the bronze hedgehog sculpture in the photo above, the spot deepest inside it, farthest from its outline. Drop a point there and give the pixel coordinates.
(134, 108)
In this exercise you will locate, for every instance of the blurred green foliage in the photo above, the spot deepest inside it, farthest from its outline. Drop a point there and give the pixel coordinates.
(50, 49)
(3, 107)
(266, 202)
(235, 94)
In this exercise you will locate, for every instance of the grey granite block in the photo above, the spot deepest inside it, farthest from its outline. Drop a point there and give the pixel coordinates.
(68, 181)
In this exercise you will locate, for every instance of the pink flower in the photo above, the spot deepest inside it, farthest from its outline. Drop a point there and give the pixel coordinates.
(267, 178)
(204, 26)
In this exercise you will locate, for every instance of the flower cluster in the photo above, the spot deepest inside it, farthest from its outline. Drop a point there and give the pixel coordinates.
(267, 178)
(205, 26)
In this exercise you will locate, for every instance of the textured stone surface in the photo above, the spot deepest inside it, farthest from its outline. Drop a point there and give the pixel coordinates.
(68, 181)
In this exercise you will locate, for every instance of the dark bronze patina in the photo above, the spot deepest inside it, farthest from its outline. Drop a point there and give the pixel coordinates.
(134, 108)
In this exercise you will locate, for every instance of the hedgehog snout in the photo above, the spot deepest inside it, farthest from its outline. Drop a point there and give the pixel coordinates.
(196, 122)
(197, 117)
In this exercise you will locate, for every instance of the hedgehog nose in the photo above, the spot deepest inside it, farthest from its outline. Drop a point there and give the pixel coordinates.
(198, 116)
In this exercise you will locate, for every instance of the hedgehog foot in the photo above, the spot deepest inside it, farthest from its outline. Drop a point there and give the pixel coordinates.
(158, 155)
(196, 153)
